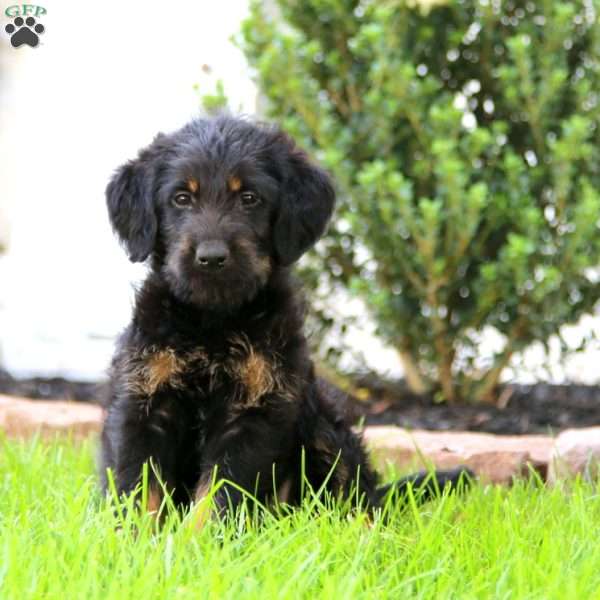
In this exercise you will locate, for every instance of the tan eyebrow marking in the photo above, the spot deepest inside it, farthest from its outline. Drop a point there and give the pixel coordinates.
(193, 185)
(235, 184)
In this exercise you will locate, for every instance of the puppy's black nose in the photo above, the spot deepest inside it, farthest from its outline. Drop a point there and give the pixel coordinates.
(212, 255)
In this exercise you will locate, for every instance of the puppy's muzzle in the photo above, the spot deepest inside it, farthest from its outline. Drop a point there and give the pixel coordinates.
(212, 255)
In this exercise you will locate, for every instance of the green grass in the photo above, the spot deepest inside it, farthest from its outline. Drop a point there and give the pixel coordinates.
(58, 539)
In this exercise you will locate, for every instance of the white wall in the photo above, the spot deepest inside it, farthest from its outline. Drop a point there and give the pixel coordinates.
(104, 80)
(106, 77)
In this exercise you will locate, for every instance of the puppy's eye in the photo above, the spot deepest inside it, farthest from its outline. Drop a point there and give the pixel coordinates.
(249, 199)
(183, 200)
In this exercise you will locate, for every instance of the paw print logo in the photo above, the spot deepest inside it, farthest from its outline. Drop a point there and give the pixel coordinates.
(24, 32)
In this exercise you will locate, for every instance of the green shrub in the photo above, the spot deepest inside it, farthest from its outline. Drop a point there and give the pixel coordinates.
(464, 139)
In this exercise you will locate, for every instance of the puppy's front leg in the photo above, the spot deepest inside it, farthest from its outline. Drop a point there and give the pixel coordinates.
(130, 440)
(247, 456)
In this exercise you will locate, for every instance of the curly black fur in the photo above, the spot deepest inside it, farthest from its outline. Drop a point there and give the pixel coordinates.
(214, 370)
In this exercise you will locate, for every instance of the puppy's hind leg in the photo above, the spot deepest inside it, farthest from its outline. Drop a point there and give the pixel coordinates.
(426, 485)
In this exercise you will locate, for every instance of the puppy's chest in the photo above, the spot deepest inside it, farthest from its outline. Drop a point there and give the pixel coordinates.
(239, 374)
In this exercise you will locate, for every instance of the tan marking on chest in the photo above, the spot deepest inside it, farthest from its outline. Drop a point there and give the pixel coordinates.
(154, 368)
(253, 373)
(161, 368)
(256, 375)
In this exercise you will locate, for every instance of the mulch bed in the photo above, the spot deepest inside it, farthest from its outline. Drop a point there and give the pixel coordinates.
(526, 409)
(55, 388)
(540, 408)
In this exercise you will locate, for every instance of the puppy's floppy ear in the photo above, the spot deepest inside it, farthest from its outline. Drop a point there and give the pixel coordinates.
(306, 204)
(129, 197)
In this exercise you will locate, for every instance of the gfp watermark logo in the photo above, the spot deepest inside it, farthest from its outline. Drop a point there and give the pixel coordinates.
(24, 28)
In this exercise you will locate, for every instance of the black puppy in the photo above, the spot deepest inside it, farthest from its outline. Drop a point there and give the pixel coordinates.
(214, 371)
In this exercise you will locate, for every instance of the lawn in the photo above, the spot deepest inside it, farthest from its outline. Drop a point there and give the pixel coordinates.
(58, 539)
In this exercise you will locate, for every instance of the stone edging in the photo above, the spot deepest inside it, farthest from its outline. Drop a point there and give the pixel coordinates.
(495, 458)
(21, 417)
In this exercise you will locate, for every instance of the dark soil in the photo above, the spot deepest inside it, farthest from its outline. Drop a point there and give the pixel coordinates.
(522, 409)
(55, 388)
(540, 408)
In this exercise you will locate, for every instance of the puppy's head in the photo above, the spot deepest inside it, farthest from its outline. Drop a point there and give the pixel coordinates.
(219, 205)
